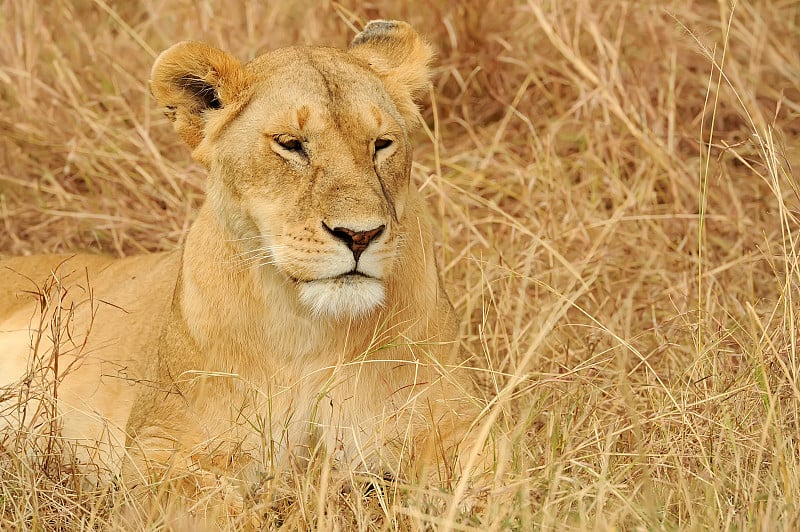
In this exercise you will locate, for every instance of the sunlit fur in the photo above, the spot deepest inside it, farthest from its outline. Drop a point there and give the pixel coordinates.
(351, 296)
(264, 338)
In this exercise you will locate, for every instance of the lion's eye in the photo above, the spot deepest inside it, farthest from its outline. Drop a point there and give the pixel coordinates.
(382, 144)
(289, 143)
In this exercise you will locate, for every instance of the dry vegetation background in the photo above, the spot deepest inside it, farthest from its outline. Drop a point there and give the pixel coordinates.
(619, 230)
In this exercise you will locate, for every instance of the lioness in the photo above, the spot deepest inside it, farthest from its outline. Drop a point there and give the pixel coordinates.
(304, 314)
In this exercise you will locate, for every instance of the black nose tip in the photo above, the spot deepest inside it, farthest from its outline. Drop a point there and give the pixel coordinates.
(357, 241)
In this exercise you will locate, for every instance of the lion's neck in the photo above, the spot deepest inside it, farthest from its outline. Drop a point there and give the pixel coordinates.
(235, 312)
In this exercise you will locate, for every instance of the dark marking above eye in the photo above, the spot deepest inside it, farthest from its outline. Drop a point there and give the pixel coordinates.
(302, 116)
(377, 115)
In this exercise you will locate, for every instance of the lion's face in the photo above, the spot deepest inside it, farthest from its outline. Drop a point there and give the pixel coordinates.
(308, 156)
(314, 171)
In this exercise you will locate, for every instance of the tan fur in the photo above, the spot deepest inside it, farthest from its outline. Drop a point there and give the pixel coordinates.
(247, 344)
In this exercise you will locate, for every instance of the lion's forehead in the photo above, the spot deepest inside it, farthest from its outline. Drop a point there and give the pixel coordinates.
(318, 87)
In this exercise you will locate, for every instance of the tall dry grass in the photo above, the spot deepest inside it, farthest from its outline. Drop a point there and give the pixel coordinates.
(619, 230)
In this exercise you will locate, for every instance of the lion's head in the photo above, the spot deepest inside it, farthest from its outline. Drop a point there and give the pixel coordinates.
(308, 154)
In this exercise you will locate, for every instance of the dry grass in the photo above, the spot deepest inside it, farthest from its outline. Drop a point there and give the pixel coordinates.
(619, 228)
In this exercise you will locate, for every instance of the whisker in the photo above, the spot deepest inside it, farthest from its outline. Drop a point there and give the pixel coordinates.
(258, 251)
(255, 251)
(256, 237)
(244, 258)
(252, 263)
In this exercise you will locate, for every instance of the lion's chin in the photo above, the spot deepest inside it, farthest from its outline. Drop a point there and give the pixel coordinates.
(341, 297)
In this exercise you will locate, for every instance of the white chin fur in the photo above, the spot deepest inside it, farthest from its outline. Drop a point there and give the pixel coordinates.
(338, 298)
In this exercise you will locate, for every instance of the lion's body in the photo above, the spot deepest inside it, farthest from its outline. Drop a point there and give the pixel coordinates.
(105, 337)
(304, 312)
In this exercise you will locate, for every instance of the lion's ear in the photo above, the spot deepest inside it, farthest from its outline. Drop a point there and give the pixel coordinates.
(191, 78)
(400, 57)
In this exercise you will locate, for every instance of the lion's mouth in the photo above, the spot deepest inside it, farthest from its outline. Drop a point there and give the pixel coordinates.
(354, 275)
(349, 277)
(351, 294)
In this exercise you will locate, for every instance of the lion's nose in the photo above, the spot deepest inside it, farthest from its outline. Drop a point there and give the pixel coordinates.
(357, 241)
